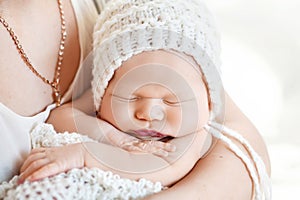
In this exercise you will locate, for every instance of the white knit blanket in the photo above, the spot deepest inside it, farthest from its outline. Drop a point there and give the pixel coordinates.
(77, 183)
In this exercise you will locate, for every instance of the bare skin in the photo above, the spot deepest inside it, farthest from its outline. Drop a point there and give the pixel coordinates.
(40, 41)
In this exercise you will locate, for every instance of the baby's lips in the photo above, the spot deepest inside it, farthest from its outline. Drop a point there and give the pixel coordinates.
(150, 133)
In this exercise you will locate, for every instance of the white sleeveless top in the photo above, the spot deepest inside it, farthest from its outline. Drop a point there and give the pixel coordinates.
(14, 129)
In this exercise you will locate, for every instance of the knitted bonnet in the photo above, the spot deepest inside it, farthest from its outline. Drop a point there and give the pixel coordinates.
(129, 27)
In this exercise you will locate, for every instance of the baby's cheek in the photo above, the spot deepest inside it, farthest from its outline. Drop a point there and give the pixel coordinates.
(203, 110)
(108, 111)
(121, 115)
(104, 111)
(173, 122)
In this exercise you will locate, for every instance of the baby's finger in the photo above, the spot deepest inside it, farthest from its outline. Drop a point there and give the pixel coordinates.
(149, 147)
(31, 158)
(38, 150)
(162, 145)
(45, 171)
(119, 139)
(131, 147)
(34, 166)
(160, 153)
(128, 142)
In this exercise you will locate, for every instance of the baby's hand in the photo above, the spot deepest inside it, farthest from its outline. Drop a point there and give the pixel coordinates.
(133, 144)
(158, 148)
(44, 162)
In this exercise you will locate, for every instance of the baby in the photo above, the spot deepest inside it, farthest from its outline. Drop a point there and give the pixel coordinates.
(159, 95)
(156, 78)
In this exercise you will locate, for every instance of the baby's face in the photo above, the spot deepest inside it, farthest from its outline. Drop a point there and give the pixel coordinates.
(156, 94)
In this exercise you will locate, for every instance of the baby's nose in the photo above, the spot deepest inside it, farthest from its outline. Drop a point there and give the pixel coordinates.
(150, 110)
(157, 113)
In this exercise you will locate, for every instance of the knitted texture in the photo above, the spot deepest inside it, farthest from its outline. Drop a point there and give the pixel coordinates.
(129, 27)
(77, 183)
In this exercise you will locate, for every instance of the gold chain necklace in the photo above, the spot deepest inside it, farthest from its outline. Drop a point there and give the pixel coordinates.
(56, 79)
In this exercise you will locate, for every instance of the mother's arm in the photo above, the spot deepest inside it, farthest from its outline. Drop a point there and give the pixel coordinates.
(221, 174)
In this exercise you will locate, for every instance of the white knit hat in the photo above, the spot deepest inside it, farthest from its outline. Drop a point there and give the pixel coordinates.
(129, 27)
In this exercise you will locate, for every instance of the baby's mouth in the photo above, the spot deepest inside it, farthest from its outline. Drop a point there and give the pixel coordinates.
(146, 134)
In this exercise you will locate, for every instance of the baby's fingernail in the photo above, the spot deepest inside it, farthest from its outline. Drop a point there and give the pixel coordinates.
(20, 181)
(163, 153)
(172, 147)
(29, 178)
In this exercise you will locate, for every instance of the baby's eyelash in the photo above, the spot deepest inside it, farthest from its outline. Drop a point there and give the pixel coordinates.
(131, 99)
(136, 98)
(171, 103)
(177, 103)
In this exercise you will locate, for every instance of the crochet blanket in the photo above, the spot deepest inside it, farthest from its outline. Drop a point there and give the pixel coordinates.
(77, 183)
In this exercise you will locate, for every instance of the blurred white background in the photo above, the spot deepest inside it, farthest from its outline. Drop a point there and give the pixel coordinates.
(261, 64)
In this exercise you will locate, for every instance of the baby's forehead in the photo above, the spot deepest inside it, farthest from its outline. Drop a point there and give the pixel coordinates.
(172, 71)
(175, 61)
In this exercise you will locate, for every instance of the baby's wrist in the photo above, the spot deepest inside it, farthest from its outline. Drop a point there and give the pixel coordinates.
(83, 154)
